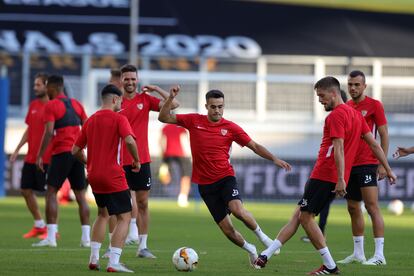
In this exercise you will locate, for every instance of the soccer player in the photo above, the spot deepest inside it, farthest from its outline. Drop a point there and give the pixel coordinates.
(342, 133)
(174, 156)
(364, 174)
(211, 137)
(136, 106)
(323, 215)
(33, 179)
(63, 117)
(132, 237)
(102, 134)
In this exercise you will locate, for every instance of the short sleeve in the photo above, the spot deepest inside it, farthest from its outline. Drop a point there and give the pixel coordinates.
(124, 127)
(82, 139)
(49, 113)
(27, 118)
(240, 136)
(184, 120)
(154, 103)
(336, 125)
(80, 110)
(379, 115)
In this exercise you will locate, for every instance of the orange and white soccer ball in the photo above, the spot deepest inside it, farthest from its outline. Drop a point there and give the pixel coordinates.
(396, 207)
(185, 259)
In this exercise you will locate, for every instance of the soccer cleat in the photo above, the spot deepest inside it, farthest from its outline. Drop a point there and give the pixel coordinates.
(375, 261)
(351, 259)
(35, 232)
(323, 270)
(131, 241)
(93, 266)
(145, 253)
(45, 243)
(106, 254)
(305, 239)
(85, 243)
(118, 268)
(260, 262)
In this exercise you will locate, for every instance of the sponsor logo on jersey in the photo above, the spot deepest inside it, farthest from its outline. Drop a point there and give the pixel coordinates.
(223, 131)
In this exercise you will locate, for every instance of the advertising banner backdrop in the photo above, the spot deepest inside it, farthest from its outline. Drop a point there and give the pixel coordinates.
(259, 179)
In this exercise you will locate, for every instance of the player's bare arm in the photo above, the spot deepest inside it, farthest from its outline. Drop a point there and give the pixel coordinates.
(401, 152)
(263, 152)
(383, 133)
(133, 150)
(23, 141)
(379, 153)
(338, 145)
(164, 94)
(79, 154)
(165, 115)
(47, 137)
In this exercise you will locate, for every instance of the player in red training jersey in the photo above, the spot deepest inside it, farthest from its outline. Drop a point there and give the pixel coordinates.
(136, 106)
(211, 137)
(102, 134)
(174, 156)
(342, 134)
(364, 174)
(33, 179)
(63, 118)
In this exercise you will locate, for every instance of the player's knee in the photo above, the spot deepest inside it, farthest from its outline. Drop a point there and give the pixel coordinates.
(372, 209)
(354, 209)
(25, 192)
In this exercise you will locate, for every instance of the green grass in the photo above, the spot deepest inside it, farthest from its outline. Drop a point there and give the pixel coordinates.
(173, 227)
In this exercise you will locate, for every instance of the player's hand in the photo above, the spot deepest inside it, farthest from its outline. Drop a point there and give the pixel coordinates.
(283, 164)
(381, 172)
(400, 152)
(174, 91)
(150, 88)
(340, 188)
(13, 157)
(136, 166)
(392, 177)
(39, 164)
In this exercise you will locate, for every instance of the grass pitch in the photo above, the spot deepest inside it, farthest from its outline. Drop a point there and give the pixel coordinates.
(172, 227)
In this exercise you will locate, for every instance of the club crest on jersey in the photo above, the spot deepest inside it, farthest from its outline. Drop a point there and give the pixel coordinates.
(364, 112)
(223, 131)
(140, 106)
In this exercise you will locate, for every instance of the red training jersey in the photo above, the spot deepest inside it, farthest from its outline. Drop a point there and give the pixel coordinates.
(374, 115)
(102, 134)
(172, 134)
(35, 129)
(64, 137)
(211, 146)
(137, 112)
(346, 123)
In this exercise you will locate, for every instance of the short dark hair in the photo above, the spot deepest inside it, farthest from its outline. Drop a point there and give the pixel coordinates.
(344, 96)
(214, 94)
(115, 73)
(56, 80)
(327, 83)
(110, 89)
(128, 68)
(357, 73)
(43, 76)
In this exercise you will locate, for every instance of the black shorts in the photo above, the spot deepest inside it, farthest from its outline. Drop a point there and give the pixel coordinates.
(140, 181)
(65, 165)
(361, 176)
(183, 164)
(116, 203)
(317, 194)
(217, 196)
(33, 178)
